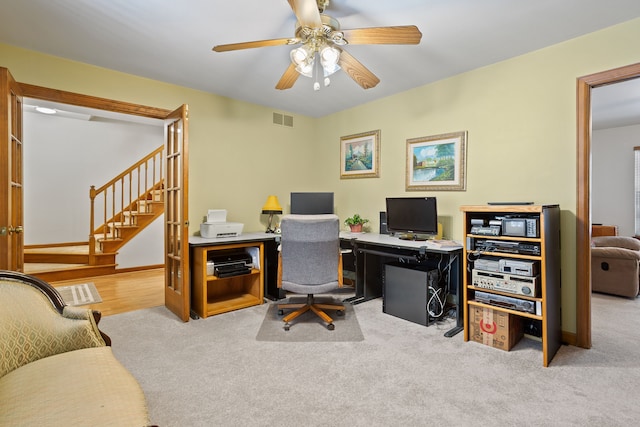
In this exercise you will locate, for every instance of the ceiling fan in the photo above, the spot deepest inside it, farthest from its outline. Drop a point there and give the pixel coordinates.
(320, 36)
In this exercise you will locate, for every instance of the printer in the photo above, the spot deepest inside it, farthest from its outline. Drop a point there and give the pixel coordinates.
(216, 225)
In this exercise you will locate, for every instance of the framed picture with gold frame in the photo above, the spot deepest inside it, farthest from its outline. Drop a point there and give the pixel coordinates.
(437, 162)
(360, 155)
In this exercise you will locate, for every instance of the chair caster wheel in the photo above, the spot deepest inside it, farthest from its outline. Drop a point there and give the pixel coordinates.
(287, 326)
(280, 312)
(340, 312)
(331, 326)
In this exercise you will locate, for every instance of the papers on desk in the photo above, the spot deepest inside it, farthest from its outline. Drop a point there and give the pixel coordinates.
(442, 244)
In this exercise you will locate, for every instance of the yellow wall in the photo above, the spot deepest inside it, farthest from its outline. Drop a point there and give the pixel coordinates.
(519, 114)
(237, 155)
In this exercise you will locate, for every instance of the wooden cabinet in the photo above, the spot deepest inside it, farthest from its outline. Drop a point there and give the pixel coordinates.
(532, 252)
(213, 295)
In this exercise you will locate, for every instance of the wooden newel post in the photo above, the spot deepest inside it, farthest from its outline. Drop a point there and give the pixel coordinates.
(92, 237)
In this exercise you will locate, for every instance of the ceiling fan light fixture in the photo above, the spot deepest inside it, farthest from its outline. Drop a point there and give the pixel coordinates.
(329, 70)
(337, 37)
(329, 57)
(315, 31)
(302, 54)
(329, 54)
(303, 58)
(306, 68)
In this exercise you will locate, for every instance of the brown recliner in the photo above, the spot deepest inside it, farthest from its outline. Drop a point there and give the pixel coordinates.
(615, 265)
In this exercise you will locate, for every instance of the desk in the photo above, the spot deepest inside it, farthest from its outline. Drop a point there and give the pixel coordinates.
(211, 295)
(373, 251)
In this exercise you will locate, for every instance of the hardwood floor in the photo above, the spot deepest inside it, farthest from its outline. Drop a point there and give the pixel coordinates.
(122, 292)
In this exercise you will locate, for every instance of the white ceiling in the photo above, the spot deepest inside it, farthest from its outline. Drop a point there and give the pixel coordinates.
(171, 41)
(616, 105)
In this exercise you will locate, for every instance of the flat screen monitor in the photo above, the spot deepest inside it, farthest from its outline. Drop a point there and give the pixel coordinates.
(311, 203)
(412, 218)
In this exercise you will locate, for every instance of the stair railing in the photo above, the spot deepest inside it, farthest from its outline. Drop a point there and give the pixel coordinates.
(116, 200)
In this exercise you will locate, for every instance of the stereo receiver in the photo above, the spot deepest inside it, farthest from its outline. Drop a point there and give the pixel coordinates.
(505, 282)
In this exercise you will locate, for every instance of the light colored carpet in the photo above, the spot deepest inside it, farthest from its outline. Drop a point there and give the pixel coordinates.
(82, 294)
(214, 372)
(308, 327)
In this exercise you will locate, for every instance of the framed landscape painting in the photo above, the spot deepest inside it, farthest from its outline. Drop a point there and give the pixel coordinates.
(360, 155)
(437, 162)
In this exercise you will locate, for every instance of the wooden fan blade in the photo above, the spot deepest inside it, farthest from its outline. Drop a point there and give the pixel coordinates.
(306, 12)
(251, 45)
(407, 34)
(288, 78)
(358, 72)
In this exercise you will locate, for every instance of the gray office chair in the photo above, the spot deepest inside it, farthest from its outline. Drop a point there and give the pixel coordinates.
(310, 263)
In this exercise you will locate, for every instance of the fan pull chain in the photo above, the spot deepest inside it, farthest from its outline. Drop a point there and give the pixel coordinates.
(318, 69)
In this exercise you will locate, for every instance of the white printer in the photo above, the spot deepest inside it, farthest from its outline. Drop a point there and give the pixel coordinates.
(216, 225)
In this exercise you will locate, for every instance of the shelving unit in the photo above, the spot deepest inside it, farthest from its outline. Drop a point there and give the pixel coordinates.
(546, 260)
(212, 295)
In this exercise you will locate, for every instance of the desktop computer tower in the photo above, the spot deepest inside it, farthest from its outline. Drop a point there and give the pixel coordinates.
(407, 290)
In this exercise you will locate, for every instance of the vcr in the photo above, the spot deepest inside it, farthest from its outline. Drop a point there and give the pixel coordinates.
(504, 246)
(533, 307)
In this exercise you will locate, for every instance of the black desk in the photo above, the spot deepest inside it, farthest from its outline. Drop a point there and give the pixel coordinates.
(372, 251)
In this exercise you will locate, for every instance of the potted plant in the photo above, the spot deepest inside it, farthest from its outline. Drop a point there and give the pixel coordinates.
(355, 223)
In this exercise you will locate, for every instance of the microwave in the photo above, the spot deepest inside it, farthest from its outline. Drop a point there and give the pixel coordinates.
(520, 227)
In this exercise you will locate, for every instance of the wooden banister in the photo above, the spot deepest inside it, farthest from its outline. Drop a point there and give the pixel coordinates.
(123, 195)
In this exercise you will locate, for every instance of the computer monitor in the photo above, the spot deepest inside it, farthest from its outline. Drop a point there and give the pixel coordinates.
(412, 218)
(311, 203)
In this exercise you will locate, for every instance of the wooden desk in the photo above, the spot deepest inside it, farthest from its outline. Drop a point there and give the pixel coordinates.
(211, 295)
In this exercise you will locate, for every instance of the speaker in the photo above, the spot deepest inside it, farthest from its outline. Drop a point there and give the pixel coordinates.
(383, 223)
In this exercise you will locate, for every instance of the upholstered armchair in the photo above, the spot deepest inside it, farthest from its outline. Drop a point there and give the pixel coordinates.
(56, 367)
(45, 326)
(615, 265)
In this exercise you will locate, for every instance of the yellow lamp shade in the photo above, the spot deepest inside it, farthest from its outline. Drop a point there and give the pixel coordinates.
(272, 205)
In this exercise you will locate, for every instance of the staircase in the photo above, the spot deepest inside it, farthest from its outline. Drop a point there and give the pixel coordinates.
(123, 207)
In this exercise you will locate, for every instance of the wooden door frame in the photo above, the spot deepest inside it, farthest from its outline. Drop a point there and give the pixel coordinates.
(583, 210)
(12, 177)
(64, 97)
(43, 93)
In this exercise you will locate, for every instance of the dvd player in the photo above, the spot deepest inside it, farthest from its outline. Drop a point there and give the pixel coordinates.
(533, 307)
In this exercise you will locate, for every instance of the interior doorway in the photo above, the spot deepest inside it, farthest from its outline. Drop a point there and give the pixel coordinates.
(71, 150)
(109, 110)
(583, 210)
(176, 163)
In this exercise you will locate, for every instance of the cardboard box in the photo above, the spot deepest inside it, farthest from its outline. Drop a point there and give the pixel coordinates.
(494, 328)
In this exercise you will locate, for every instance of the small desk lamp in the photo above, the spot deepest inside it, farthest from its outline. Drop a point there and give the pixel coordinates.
(272, 206)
